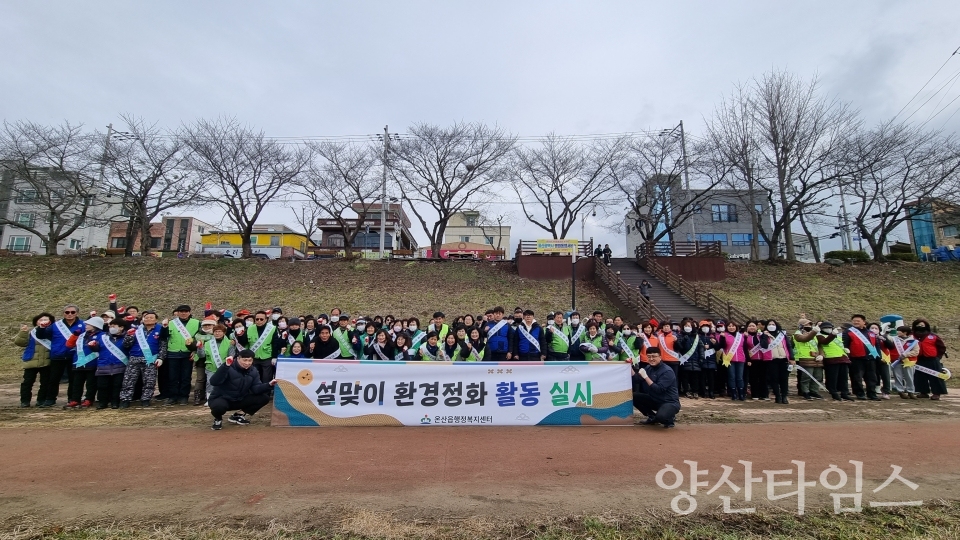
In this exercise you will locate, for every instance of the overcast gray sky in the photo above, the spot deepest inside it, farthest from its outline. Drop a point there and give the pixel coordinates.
(348, 68)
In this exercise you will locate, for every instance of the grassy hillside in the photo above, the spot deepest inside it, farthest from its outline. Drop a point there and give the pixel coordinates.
(29, 285)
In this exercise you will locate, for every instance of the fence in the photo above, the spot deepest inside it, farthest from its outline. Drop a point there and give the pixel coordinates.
(679, 249)
(695, 293)
(629, 294)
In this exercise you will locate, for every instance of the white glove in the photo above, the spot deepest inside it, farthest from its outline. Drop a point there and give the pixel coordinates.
(159, 362)
(816, 329)
(273, 361)
(846, 350)
(819, 358)
(837, 331)
(642, 373)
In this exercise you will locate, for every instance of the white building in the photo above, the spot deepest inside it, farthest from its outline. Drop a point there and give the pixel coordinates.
(22, 208)
(469, 226)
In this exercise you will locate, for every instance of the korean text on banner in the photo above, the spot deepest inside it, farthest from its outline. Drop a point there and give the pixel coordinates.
(557, 246)
(375, 393)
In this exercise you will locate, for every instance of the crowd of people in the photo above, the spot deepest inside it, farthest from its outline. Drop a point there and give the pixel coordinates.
(227, 360)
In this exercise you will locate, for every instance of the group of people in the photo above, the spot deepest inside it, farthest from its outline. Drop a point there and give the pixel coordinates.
(227, 360)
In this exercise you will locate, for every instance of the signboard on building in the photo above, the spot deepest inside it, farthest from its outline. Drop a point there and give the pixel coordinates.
(567, 247)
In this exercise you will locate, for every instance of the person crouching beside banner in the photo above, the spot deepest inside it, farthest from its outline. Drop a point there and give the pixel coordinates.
(658, 397)
(236, 385)
(932, 350)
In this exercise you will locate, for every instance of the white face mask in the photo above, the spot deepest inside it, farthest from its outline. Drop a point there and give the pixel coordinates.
(282, 325)
(627, 332)
(114, 330)
(361, 326)
(705, 329)
(687, 328)
(575, 322)
(721, 329)
(412, 327)
(275, 316)
(397, 329)
(771, 328)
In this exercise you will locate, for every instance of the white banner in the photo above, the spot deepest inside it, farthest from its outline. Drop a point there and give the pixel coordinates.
(375, 393)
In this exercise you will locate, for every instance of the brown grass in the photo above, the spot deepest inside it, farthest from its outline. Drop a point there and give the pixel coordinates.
(29, 285)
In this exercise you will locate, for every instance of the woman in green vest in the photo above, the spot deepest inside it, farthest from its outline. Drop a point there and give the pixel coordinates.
(215, 352)
(473, 348)
(594, 345)
(630, 348)
(836, 363)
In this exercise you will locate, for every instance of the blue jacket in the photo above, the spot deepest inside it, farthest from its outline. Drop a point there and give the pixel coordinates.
(89, 354)
(522, 345)
(106, 358)
(153, 339)
(58, 343)
(499, 342)
(664, 387)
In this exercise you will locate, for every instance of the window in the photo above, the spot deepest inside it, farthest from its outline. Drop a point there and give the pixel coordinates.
(471, 222)
(18, 243)
(26, 196)
(253, 240)
(722, 238)
(723, 213)
(75, 244)
(224, 242)
(697, 209)
(464, 238)
(335, 240)
(488, 240)
(200, 230)
(744, 239)
(26, 219)
(118, 242)
(949, 231)
(274, 241)
(758, 208)
(154, 242)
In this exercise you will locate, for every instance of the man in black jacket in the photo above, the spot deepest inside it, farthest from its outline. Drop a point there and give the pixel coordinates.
(236, 385)
(658, 397)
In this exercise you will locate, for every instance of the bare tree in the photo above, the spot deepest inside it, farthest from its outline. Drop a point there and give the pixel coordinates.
(445, 169)
(341, 180)
(792, 141)
(650, 180)
(306, 215)
(247, 170)
(562, 177)
(52, 173)
(493, 226)
(148, 169)
(897, 165)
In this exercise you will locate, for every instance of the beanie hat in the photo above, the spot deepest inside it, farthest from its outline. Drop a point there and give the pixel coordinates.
(95, 322)
(294, 321)
(654, 323)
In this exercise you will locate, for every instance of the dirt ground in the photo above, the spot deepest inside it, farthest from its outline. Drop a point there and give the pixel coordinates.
(63, 466)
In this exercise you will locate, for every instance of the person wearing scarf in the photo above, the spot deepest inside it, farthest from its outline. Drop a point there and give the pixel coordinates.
(690, 345)
(430, 351)
(451, 348)
(778, 375)
(735, 358)
(380, 347)
(472, 350)
(755, 343)
(35, 341)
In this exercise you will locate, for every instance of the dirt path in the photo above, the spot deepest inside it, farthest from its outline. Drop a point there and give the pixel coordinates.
(61, 474)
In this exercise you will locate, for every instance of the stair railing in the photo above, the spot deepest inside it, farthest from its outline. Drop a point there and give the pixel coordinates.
(696, 294)
(628, 293)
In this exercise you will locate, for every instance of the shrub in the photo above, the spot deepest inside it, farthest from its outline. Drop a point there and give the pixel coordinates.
(852, 255)
(908, 257)
(900, 248)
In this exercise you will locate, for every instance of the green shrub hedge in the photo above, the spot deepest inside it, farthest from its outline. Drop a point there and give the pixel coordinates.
(853, 255)
(909, 257)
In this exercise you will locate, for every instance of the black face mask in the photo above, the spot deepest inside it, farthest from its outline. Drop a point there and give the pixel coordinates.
(807, 328)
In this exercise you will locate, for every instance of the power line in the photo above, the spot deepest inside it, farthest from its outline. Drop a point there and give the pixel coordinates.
(934, 94)
(926, 83)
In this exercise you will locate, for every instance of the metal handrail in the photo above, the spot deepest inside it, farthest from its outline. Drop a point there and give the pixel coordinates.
(694, 293)
(678, 249)
(630, 294)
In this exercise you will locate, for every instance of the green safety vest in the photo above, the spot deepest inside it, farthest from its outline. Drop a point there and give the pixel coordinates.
(801, 350)
(557, 343)
(176, 343)
(223, 348)
(596, 342)
(630, 343)
(345, 342)
(265, 352)
(444, 330)
(833, 349)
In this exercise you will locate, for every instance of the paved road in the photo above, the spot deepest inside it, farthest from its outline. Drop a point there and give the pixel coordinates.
(59, 474)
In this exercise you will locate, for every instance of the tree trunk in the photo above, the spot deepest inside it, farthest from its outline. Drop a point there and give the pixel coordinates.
(130, 236)
(810, 238)
(145, 238)
(51, 245)
(784, 209)
(246, 249)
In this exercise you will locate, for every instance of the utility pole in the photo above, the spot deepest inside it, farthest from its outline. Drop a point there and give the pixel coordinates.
(383, 193)
(686, 178)
(846, 220)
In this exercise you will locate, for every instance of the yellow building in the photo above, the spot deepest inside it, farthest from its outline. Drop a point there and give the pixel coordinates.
(272, 241)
